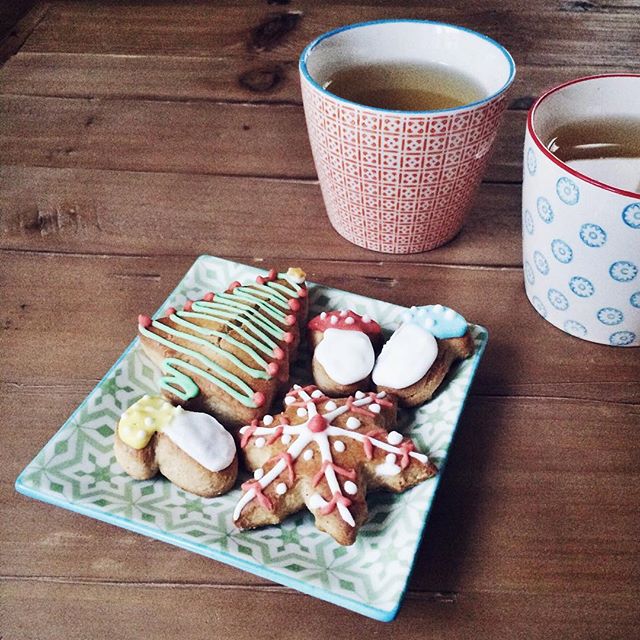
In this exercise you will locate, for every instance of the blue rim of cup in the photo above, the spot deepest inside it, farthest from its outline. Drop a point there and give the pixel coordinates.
(309, 48)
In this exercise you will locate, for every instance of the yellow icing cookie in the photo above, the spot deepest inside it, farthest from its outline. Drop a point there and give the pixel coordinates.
(143, 418)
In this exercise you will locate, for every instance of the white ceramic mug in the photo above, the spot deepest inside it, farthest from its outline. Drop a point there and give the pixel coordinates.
(401, 181)
(581, 236)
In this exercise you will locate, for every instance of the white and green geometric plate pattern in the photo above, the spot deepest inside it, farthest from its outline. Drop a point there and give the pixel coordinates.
(77, 470)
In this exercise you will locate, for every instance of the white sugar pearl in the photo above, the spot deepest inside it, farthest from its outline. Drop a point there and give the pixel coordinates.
(351, 487)
(244, 429)
(267, 420)
(281, 488)
(391, 458)
(297, 386)
(258, 473)
(343, 313)
(349, 320)
(260, 442)
(438, 308)
(353, 423)
(286, 438)
(334, 320)
(331, 406)
(339, 446)
(382, 394)
(289, 400)
(429, 322)
(374, 408)
(323, 315)
(394, 438)
(366, 319)
(308, 454)
(413, 308)
(149, 422)
(317, 394)
(450, 314)
(359, 395)
(142, 433)
(302, 412)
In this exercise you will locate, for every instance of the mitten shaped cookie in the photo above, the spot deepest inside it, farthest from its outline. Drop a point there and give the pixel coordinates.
(326, 454)
(192, 450)
(344, 346)
(419, 354)
(228, 353)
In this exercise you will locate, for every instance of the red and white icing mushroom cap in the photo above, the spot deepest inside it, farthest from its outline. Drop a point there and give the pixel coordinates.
(344, 319)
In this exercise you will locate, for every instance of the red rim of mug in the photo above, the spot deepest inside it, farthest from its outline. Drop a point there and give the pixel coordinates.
(557, 161)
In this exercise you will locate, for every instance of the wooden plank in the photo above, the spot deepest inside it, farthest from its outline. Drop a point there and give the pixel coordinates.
(547, 507)
(237, 78)
(191, 137)
(88, 211)
(550, 34)
(185, 611)
(101, 296)
(18, 19)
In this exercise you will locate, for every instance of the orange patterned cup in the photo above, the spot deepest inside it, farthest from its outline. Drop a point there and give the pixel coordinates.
(401, 181)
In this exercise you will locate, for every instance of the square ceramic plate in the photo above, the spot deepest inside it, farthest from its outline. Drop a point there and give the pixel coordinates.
(77, 470)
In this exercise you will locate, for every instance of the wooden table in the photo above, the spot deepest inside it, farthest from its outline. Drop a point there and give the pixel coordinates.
(133, 139)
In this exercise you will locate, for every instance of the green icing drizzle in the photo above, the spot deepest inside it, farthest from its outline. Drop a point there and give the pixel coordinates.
(226, 309)
(219, 334)
(191, 389)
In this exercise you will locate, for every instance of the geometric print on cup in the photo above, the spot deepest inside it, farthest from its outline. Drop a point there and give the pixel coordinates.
(567, 191)
(558, 299)
(542, 265)
(593, 235)
(544, 210)
(623, 271)
(582, 287)
(575, 328)
(562, 252)
(631, 215)
(398, 183)
(610, 316)
(622, 338)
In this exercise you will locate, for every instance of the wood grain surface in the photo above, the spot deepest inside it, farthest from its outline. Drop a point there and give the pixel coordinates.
(136, 136)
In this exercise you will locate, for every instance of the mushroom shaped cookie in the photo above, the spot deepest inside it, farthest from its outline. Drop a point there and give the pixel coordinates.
(344, 346)
(192, 450)
(417, 357)
(326, 454)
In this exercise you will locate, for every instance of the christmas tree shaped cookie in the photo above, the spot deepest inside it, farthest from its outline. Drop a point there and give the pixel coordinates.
(228, 353)
(325, 454)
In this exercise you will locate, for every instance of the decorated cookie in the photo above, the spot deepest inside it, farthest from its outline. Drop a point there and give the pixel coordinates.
(228, 353)
(325, 454)
(420, 352)
(344, 346)
(193, 450)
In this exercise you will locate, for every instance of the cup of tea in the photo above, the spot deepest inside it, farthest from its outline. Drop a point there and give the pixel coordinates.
(581, 208)
(402, 115)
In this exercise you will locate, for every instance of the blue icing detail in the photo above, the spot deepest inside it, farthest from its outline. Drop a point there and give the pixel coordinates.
(441, 321)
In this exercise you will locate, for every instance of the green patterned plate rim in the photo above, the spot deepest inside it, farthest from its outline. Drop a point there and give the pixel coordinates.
(77, 470)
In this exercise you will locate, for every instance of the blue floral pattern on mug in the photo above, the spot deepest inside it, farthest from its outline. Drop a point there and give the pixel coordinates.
(528, 273)
(582, 287)
(622, 338)
(544, 210)
(541, 263)
(593, 235)
(610, 316)
(631, 215)
(528, 221)
(634, 300)
(558, 299)
(562, 252)
(623, 271)
(531, 162)
(575, 328)
(538, 306)
(567, 191)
